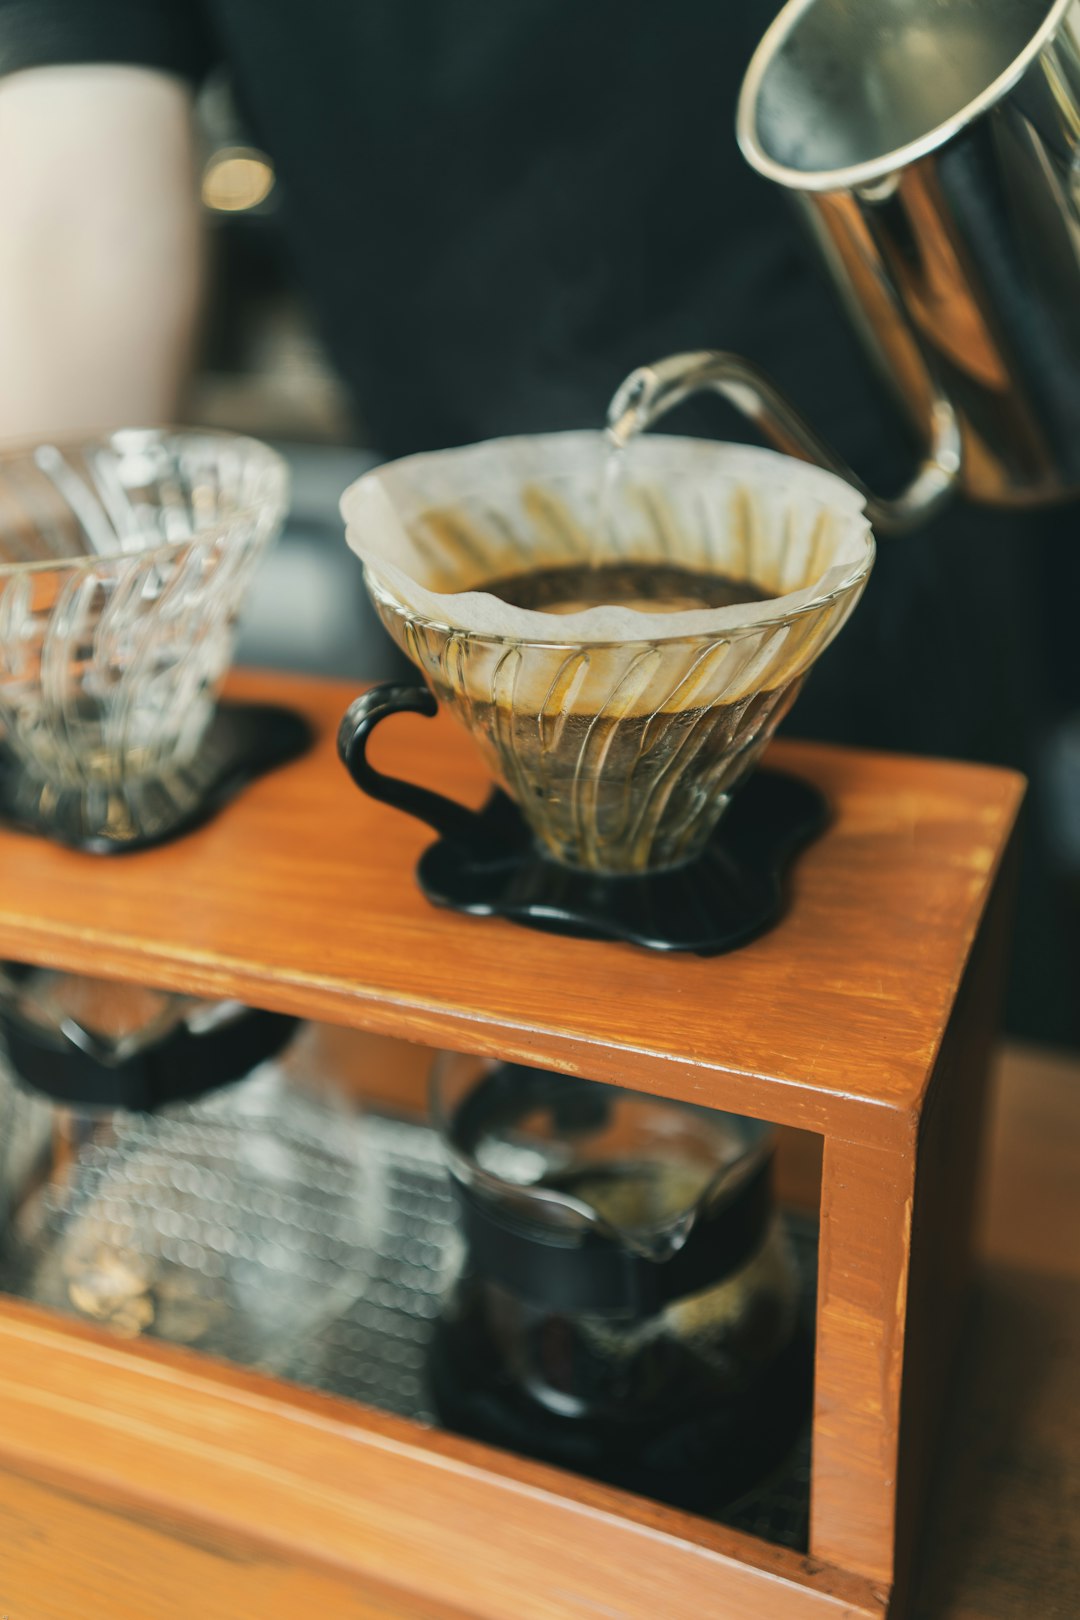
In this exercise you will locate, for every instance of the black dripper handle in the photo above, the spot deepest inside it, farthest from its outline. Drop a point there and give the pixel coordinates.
(464, 827)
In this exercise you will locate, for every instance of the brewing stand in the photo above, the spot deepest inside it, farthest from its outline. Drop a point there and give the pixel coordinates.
(862, 1025)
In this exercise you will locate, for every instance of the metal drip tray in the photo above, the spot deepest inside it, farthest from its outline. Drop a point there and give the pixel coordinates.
(307, 1241)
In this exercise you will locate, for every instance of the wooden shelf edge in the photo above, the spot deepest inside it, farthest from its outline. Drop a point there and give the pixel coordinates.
(831, 1021)
(376, 1496)
(437, 1027)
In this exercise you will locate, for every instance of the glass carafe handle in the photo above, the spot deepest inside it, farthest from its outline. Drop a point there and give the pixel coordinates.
(454, 821)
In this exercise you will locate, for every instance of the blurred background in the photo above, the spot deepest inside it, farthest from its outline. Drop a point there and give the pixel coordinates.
(264, 370)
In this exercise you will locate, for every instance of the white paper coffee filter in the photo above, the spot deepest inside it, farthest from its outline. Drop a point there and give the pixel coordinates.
(433, 528)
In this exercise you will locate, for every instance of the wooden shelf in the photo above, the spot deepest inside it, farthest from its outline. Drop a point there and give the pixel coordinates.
(300, 898)
(345, 1486)
(866, 1017)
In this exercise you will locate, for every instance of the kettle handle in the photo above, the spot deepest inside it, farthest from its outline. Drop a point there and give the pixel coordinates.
(455, 822)
(652, 391)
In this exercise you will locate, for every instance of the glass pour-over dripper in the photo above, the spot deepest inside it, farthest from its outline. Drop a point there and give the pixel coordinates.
(622, 729)
(123, 564)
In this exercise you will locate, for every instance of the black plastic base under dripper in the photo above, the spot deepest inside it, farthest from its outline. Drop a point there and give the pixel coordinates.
(732, 892)
(243, 742)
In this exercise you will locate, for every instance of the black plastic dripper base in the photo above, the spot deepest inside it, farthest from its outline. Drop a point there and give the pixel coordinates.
(731, 893)
(243, 742)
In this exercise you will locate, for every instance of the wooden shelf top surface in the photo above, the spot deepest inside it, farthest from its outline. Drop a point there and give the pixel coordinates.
(301, 897)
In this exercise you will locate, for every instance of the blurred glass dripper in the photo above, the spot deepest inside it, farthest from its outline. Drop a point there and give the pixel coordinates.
(123, 563)
(177, 1168)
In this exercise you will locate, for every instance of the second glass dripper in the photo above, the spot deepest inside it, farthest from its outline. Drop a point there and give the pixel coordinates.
(173, 1168)
(123, 565)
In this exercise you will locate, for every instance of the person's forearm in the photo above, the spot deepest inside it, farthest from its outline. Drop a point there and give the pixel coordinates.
(100, 249)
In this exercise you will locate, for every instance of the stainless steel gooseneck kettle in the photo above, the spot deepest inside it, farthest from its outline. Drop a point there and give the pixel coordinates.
(934, 147)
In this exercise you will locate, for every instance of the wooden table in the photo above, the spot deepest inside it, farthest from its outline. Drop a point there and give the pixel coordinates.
(1004, 1544)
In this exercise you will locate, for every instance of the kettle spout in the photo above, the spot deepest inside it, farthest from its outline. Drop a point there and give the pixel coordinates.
(650, 392)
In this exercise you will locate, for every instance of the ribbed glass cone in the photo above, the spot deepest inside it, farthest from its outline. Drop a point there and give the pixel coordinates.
(620, 733)
(123, 562)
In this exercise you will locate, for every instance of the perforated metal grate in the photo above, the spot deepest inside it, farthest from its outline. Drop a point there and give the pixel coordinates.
(285, 1235)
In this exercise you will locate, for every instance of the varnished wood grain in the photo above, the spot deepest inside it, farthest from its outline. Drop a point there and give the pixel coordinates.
(947, 1181)
(301, 897)
(172, 1435)
(65, 1554)
(866, 1205)
(894, 1267)
(392, 1076)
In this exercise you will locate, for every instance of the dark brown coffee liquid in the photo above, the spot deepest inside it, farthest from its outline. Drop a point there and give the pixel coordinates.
(688, 1423)
(650, 587)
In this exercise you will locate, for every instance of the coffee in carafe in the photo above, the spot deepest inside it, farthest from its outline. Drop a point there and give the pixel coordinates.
(628, 1305)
